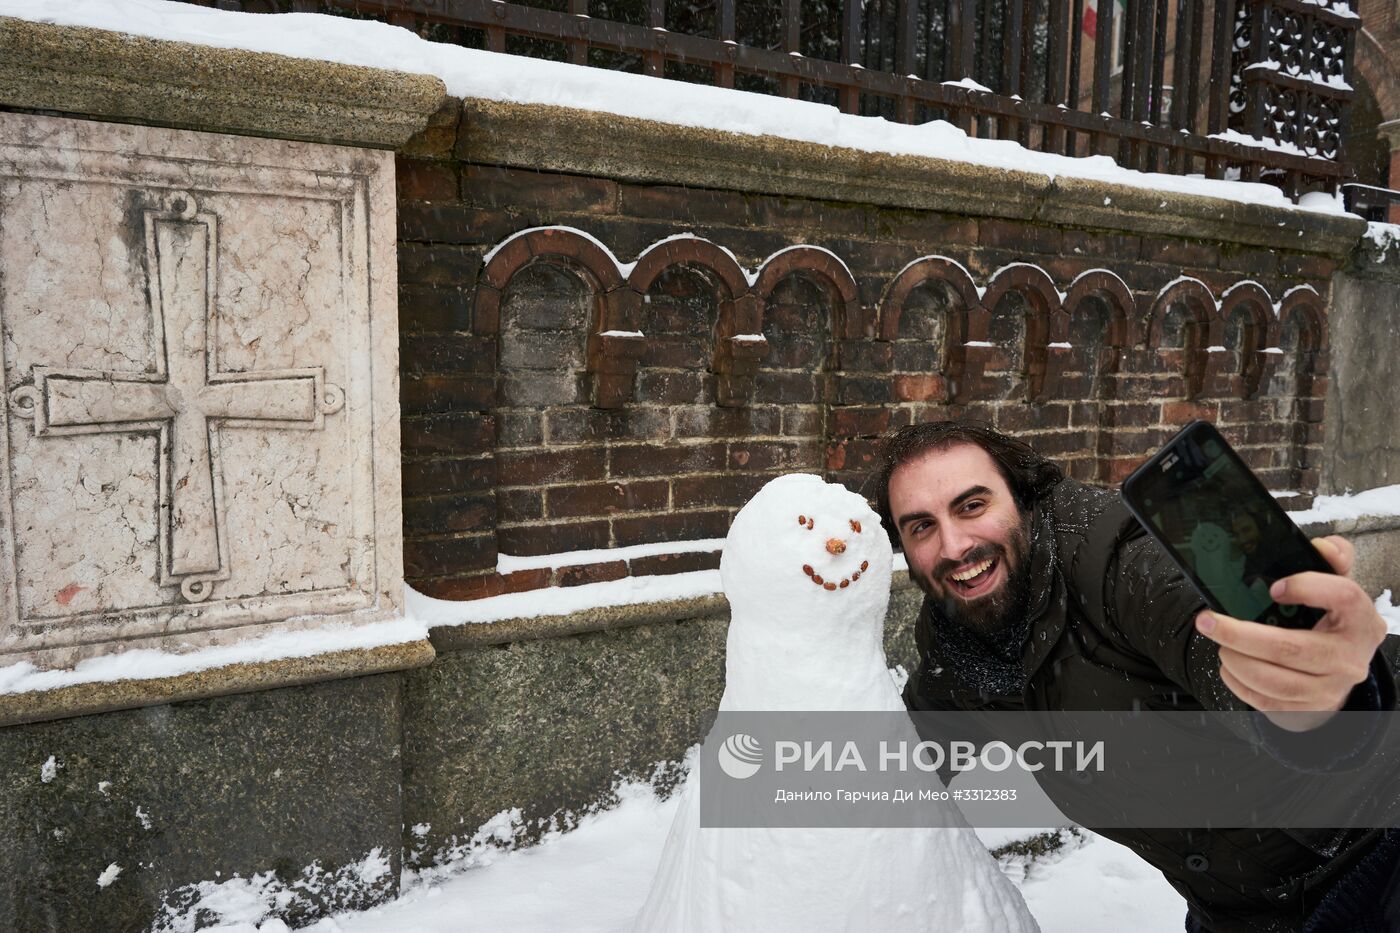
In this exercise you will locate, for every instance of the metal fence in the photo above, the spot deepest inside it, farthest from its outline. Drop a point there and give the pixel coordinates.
(1250, 89)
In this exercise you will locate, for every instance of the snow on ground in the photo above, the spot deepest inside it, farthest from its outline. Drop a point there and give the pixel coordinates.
(492, 76)
(595, 878)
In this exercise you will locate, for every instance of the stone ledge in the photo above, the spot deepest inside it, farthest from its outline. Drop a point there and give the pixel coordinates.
(590, 143)
(114, 76)
(602, 618)
(107, 696)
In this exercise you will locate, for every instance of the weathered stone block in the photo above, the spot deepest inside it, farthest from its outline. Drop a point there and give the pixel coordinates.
(200, 428)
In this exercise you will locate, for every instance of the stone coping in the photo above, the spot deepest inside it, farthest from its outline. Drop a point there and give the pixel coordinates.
(1363, 525)
(114, 76)
(587, 142)
(108, 696)
(599, 619)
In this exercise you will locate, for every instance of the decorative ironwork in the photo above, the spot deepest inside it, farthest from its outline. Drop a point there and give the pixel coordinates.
(1269, 78)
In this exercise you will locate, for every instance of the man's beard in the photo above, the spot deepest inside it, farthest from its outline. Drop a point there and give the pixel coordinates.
(996, 612)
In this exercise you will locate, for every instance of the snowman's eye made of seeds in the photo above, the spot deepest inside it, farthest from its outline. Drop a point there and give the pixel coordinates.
(855, 526)
(805, 522)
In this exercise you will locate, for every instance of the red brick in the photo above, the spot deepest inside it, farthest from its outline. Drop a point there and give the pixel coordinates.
(674, 563)
(1305, 266)
(853, 454)
(919, 388)
(795, 388)
(849, 422)
(452, 222)
(727, 422)
(655, 460)
(421, 395)
(1007, 234)
(672, 526)
(1101, 247)
(672, 388)
(490, 186)
(580, 425)
(482, 586)
(448, 434)
(552, 538)
(1180, 252)
(772, 455)
(449, 514)
(434, 308)
(729, 490)
(605, 498)
(420, 180)
(539, 467)
(439, 477)
(446, 353)
(804, 214)
(438, 557)
(1181, 412)
(1014, 418)
(698, 205)
(923, 228)
(802, 422)
(1255, 262)
(590, 573)
(520, 505)
(438, 265)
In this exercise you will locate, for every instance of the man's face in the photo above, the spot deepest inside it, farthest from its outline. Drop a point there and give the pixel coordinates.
(966, 540)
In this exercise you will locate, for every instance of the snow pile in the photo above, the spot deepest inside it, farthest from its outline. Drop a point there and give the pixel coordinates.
(1381, 502)
(492, 76)
(1384, 236)
(1389, 612)
(149, 664)
(257, 904)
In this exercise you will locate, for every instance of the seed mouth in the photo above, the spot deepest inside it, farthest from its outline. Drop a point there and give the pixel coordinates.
(832, 585)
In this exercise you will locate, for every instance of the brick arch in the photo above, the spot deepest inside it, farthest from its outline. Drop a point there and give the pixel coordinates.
(615, 343)
(1108, 288)
(1044, 324)
(1375, 67)
(922, 271)
(691, 250)
(966, 317)
(825, 267)
(735, 354)
(1202, 330)
(1305, 303)
(1255, 366)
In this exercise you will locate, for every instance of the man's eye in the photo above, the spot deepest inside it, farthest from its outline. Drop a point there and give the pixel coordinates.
(919, 527)
(974, 506)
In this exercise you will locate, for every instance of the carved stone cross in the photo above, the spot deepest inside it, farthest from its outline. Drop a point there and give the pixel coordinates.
(186, 400)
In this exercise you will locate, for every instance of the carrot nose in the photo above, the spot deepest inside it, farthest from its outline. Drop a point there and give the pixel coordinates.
(835, 546)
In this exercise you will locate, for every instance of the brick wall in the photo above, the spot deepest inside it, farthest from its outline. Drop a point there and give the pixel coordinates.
(535, 421)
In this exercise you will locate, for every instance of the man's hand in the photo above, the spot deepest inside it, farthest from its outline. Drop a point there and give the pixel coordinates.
(1300, 677)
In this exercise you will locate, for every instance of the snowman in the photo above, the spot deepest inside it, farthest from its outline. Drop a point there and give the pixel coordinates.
(806, 569)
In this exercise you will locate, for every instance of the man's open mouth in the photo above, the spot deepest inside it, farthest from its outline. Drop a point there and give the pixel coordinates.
(976, 579)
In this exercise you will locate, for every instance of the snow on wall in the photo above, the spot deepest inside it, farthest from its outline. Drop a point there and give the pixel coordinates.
(492, 76)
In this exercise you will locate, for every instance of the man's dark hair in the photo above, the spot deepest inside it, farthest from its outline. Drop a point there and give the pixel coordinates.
(1027, 474)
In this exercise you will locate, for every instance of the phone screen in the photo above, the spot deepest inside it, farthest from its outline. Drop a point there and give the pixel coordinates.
(1222, 526)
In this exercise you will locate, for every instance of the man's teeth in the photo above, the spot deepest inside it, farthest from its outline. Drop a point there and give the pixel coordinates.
(972, 571)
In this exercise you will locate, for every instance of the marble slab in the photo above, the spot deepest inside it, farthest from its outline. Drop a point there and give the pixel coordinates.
(200, 360)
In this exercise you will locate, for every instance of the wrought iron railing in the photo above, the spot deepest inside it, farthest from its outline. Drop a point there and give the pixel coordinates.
(1254, 89)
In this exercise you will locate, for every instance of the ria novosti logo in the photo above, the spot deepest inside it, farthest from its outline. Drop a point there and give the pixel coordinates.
(740, 756)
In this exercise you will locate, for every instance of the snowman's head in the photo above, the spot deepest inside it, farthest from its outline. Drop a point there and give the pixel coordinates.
(801, 543)
(1208, 539)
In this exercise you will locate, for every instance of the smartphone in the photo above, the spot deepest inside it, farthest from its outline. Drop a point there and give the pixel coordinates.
(1225, 531)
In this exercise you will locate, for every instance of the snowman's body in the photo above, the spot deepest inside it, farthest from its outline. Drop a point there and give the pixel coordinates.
(806, 569)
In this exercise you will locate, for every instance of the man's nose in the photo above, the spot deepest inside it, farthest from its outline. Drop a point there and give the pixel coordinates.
(955, 543)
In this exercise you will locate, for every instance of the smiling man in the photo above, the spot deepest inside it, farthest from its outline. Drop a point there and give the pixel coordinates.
(1044, 593)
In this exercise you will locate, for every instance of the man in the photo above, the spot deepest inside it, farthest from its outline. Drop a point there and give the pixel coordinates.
(1043, 593)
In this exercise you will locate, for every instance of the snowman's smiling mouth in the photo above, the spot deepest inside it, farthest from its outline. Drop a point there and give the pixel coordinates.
(844, 582)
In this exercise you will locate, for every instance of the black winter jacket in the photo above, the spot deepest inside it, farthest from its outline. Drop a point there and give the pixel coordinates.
(1141, 651)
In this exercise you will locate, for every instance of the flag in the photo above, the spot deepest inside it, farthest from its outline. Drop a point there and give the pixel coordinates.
(1091, 14)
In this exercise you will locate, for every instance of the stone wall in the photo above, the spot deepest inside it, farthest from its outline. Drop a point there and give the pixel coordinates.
(1363, 422)
(596, 358)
